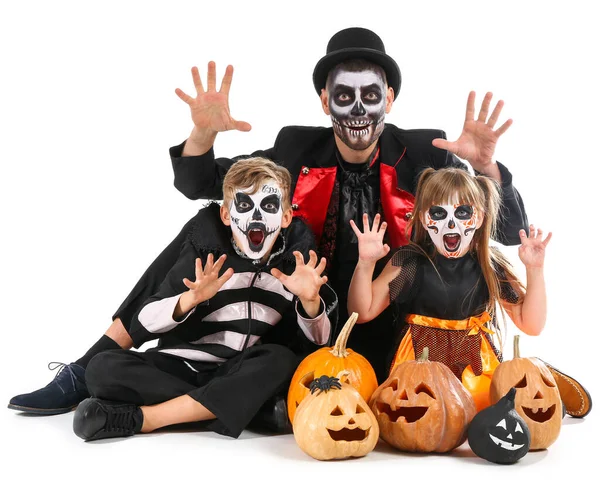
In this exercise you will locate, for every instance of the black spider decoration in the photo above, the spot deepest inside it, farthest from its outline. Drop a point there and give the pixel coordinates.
(325, 383)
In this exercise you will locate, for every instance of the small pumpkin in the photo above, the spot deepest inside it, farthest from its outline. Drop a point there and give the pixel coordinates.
(334, 421)
(537, 400)
(423, 407)
(498, 434)
(330, 361)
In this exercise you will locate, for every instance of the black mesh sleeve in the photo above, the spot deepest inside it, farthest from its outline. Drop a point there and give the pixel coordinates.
(404, 284)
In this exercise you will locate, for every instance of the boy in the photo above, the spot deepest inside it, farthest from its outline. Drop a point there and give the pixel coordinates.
(209, 364)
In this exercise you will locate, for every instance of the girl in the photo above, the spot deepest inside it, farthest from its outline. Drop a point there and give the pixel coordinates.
(447, 282)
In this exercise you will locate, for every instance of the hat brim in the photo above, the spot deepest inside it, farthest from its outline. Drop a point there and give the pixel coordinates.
(389, 65)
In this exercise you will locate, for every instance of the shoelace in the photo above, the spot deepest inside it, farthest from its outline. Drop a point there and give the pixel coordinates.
(63, 371)
(120, 420)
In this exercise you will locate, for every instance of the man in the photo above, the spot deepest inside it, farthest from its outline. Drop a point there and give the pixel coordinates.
(360, 165)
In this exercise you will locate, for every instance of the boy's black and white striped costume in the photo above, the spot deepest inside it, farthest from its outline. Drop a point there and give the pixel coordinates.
(231, 353)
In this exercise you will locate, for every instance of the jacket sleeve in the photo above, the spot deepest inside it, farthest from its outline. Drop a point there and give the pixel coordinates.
(201, 176)
(155, 317)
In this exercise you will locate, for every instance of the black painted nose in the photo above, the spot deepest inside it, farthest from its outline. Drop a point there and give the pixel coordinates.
(358, 109)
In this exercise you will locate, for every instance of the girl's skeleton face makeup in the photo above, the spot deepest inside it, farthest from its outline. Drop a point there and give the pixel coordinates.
(451, 227)
(357, 104)
(256, 219)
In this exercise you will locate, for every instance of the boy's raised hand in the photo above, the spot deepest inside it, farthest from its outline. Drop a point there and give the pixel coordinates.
(370, 242)
(207, 282)
(305, 282)
(533, 248)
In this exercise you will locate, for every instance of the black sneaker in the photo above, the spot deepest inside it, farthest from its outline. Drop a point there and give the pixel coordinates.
(273, 416)
(62, 395)
(99, 419)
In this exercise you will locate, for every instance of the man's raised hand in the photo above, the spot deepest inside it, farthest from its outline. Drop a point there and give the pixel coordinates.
(210, 108)
(477, 142)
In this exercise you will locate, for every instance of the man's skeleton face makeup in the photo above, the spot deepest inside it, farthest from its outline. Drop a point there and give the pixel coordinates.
(451, 227)
(357, 104)
(256, 219)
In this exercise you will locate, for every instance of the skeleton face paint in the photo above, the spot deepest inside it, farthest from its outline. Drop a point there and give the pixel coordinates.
(451, 228)
(256, 219)
(357, 105)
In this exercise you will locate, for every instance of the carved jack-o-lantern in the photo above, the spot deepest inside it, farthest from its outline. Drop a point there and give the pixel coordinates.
(334, 421)
(498, 433)
(538, 399)
(330, 361)
(423, 407)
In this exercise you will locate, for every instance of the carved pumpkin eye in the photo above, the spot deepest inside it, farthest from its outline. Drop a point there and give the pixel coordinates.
(359, 409)
(307, 379)
(502, 424)
(522, 382)
(394, 384)
(518, 429)
(337, 412)
(423, 388)
(548, 382)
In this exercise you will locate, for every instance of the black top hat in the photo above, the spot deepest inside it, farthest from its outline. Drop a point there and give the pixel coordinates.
(355, 43)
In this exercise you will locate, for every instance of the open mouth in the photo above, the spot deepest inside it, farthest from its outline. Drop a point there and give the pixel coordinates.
(506, 444)
(451, 242)
(411, 414)
(257, 233)
(539, 415)
(346, 434)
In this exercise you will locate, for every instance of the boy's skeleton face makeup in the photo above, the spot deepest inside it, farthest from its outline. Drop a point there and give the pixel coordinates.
(357, 104)
(451, 227)
(256, 219)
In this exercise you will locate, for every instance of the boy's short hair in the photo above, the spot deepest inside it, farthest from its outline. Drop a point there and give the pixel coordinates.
(251, 174)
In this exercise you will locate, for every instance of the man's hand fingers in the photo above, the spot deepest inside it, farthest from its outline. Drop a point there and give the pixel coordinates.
(242, 126)
(443, 144)
(547, 239)
(219, 263)
(365, 223)
(503, 128)
(189, 284)
(209, 264)
(225, 277)
(212, 77)
(382, 230)
(226, 82)
(485, 107)
(183, 96)
(376, 223)
(470, 115)
(495, 114)
(197, 81)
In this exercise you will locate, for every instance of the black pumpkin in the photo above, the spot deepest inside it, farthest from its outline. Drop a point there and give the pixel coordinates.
(498, 434)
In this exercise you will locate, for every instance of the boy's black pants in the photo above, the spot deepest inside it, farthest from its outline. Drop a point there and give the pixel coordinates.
(233, 391)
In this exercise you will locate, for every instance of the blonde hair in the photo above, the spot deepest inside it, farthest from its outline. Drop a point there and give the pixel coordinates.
(436, 187)
(253, 172)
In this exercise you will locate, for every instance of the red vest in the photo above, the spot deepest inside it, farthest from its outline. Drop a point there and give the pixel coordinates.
(315, 186)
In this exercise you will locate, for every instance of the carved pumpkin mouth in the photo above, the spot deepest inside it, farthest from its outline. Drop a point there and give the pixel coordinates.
(505, 444)
(346, 434)
(411, 414)
(539, 415)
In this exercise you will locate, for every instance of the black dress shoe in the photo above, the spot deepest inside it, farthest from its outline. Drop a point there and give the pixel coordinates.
(273, 416)
(577, 401)
(99, 419)
(61, 395)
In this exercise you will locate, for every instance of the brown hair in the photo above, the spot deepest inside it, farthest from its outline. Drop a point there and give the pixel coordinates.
(253, 172)
(437, 187)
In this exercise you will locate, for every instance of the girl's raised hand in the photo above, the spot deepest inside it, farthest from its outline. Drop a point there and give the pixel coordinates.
(370, 242)
(533, 248)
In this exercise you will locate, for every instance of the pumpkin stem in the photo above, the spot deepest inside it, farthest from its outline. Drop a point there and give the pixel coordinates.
(424, 354)
(339, 349)
(516, 350)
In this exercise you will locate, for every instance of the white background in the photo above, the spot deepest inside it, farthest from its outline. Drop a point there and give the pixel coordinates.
(88, 111)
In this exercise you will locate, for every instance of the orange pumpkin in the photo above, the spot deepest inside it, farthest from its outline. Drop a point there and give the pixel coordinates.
(334, 421)
(423, 407)
(537, 400)
(330, 361)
